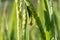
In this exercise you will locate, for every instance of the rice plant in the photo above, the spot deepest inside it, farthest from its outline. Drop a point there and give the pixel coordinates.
(29, 20)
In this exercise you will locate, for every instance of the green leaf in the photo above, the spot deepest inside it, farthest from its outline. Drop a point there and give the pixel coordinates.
(46, 14)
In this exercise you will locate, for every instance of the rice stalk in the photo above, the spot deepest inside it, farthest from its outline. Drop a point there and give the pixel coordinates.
(31, 9)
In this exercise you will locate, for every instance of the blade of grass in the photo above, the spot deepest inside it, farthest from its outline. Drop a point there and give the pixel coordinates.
(46, 14)
(12, 35)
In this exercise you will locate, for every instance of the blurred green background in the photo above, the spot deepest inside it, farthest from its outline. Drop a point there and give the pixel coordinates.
(29, 19)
